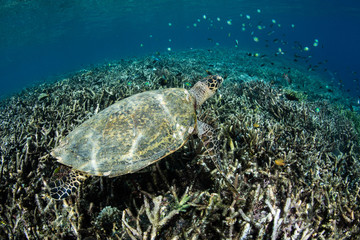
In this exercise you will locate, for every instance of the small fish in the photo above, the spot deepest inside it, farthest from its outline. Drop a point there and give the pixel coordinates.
(280, 162)
(298, 45)
(287, 78)
(208, 72)
(155, 59)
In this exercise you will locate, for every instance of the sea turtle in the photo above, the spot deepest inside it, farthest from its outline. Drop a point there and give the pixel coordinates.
(134, 133)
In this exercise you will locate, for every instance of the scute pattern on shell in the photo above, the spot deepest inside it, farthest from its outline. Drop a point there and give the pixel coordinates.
(130, 134)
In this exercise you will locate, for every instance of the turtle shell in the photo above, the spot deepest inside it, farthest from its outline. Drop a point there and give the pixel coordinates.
(130, 134)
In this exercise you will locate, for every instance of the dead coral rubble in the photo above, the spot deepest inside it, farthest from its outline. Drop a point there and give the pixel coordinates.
(295, 169)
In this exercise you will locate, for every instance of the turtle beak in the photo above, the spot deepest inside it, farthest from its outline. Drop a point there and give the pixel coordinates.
(213, 82)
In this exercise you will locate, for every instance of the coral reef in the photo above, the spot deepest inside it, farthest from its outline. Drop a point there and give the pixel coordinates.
(291, 165)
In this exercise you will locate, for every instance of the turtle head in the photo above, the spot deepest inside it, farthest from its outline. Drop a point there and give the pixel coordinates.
(213, 82)
(206, 88)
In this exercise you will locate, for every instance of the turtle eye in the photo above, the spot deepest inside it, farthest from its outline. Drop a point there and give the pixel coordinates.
(214, 82)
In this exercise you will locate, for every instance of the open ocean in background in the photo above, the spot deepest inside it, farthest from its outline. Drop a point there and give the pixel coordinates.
(41, 40)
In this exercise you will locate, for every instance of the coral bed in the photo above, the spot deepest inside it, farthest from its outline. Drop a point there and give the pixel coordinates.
(290, 157)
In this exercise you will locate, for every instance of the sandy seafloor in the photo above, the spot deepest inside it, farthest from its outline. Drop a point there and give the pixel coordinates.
(289, 147)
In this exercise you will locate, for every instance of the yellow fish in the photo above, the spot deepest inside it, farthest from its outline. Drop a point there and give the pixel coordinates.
(280, 162)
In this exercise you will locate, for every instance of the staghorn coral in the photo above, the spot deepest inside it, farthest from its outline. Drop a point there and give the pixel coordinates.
(314, 195)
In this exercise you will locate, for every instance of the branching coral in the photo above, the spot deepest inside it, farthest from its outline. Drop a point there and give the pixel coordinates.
(312, 194)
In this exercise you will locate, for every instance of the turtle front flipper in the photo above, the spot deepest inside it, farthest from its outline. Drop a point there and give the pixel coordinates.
(208, 137)
(63, 186)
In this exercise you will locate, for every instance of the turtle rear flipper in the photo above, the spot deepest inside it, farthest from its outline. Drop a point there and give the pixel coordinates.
(62, 187)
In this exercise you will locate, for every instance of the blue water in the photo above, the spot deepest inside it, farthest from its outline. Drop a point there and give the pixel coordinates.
(40, 40)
